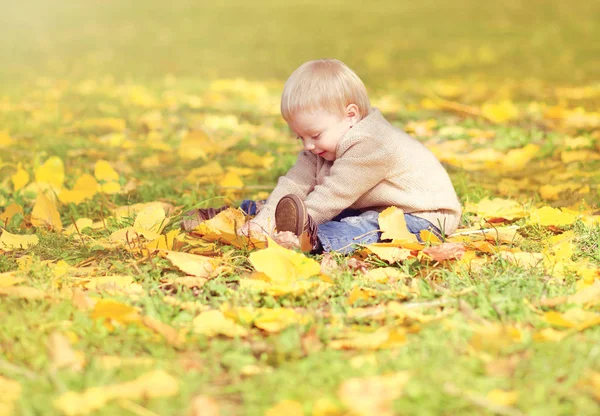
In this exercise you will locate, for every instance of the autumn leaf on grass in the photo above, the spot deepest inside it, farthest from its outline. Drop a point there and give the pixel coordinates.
(116, 284)
(62, 354)
(370, 340)
(223, 227)
(22, 292)
(102, 125)
(107, 177)
(20, 178)
(10, 279)
(206, 406)
(45, 213)
(522, 258)
(390, 252)
(113, 312)
(287, 408)
(295, 288)
(213, 322)
(445, 251)
(10, 242)
(548, 216)
(495, 338)
(497, 208)
(517, 159)
(393, 226)
(281, 265)
(500, 112)
(152, 218)
(577, 319)
(11, 392)
(150, 385)
(193, 264)
(85, 188)
(10, 211)
(275, 320)
(52, 172)
(196, 145)
(253, 160)
(373, 395)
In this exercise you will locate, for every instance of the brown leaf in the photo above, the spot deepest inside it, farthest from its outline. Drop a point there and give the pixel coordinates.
(204, 406)
(446, 251)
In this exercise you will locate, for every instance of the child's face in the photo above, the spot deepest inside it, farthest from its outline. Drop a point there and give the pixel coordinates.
(321, 130)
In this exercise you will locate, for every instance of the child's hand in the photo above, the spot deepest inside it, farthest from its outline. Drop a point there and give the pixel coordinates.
(252, 229)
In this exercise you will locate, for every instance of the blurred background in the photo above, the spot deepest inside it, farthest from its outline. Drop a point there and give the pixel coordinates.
(383, 40)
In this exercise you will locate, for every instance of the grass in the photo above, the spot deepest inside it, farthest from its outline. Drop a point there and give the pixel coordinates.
(139, 60)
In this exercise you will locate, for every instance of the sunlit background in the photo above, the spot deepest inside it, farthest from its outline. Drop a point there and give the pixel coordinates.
(383, 40)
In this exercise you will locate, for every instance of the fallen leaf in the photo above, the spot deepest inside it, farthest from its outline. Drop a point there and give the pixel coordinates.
(393, 225)
(62, 354)
(287, 408)
(22, 292)
(10, 242)
(51, 172)
(150, 385)
(45, 213)
(282, 265)
(213, 322)
(11, 392)
(204, 406)
(445, 251)
(194, 264)
(373, 395)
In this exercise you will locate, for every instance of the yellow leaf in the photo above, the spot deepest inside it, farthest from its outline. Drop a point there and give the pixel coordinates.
(231, 180)
(212, 169)
(85, 188)
(213, 322)
(62, 354)
(287, 408)
(108, 282)
(373, 395)
(45, 214)
(194, 145)
(9, 279)
(51, 172)
(80, 225)
(11, 389)
(10, 211)
(110, 188)
(274, 320)
(150, 385)
(382, 338)
(282, 265)
(393, 225)
(517, 159)
(114, 311)
(5, 139)
(151, 218)
(9, 242)
(252, 160)
(103, 171)
(503, 397)
(497, 208)
(193, 264)
(22, 292)
(164, 242)
(204, 406)
(223, 227)
(171, 335)
(385, 274)
(573, 318)
(389, 252)
(495, 337)
(553, 216)
(500, 112)
(522, 258)
(20, 178)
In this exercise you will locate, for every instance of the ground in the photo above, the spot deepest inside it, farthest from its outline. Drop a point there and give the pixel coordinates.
(108, 307)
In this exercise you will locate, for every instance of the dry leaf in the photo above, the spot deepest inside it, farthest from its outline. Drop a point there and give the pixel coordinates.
(213, 322)
(287, 408)
(204, 406)
(281, 265)
(373, 395)
(10, 242)
(45, 214)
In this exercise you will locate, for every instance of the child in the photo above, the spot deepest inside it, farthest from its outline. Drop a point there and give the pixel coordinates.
(354, 165)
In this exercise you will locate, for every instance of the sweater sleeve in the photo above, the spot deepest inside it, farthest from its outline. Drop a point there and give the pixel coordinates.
(360, 166)
(299, 180)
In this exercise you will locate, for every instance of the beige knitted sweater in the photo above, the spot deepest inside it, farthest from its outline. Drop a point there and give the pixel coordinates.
(377, 166)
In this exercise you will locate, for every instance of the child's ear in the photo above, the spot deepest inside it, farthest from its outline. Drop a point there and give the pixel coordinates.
(352, 114)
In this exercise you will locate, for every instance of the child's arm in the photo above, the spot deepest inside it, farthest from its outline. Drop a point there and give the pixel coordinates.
(299, 180)
(361, 164)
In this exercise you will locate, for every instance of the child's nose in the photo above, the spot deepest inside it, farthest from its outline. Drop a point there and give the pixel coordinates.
(308, 146)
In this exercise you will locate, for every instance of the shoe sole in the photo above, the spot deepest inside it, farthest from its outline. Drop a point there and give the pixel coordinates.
(290, 215)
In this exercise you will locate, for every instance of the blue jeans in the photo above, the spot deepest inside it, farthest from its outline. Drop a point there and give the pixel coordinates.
(352, 227)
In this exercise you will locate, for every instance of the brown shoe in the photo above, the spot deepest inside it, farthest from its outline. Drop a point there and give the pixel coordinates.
(195, 217)
(291, 215)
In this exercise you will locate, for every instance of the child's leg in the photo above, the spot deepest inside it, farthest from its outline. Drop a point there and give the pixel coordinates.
(342, 236)
(417, 224)
(351, 227)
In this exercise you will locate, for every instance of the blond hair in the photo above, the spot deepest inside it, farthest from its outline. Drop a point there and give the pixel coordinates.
(323, 84)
